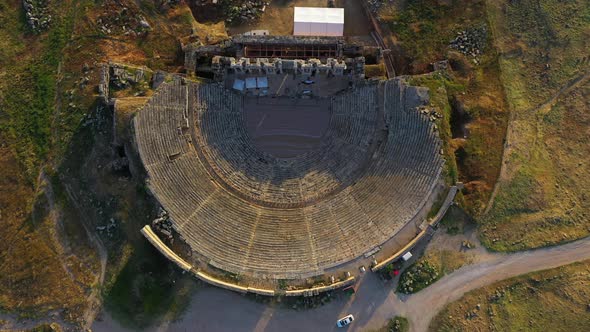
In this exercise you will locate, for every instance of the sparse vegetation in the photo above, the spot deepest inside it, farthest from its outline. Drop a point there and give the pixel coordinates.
(53, 327)
(544, 201)
(423, 31)
(283, 284)
(395, 324)
(429, 268)
(475, 160)
(52, 265)
(375, 71)
(29, 100)
(441, 85)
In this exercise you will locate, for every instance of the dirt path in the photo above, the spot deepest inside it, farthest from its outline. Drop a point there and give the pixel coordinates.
(503, 266)
(541, 109)
(373, 305)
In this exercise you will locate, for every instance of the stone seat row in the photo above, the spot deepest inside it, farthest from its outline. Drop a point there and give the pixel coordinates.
(226, 146)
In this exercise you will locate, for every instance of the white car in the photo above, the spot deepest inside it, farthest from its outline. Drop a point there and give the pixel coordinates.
(342, 322)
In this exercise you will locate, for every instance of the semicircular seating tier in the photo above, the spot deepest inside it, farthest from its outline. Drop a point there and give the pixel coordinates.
(247, 211)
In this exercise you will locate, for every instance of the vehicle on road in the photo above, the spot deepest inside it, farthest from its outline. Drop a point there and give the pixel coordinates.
(342, 322)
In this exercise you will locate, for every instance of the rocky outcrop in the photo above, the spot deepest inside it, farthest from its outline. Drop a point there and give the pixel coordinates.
(37, 14)
(123, 76)
(233, 11)
(471, 42)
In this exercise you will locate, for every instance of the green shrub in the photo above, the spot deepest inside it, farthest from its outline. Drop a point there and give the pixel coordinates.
(418, 277)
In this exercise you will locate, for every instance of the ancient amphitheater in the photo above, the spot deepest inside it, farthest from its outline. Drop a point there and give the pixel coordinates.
(245, 211)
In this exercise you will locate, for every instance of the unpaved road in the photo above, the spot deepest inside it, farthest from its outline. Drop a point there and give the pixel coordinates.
(374, 303)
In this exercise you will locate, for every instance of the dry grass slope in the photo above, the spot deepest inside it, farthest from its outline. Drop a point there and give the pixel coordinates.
(542, 197)
(546, 201)
(38, 270)
(47, 264)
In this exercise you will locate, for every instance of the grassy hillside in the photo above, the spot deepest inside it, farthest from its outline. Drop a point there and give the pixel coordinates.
(542, 197)
(40, 269)
(55, 183)
(551, 300)
(46, 263)
(29, 82)
(545, 199)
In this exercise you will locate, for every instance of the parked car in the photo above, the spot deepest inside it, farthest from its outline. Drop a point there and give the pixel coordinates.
(308, 82)
(342, 322)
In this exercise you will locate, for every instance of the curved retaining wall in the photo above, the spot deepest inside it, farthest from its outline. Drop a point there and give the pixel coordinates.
(445, 207)
(162, 248)
(320, 289)
(168, 253)
(395, 256)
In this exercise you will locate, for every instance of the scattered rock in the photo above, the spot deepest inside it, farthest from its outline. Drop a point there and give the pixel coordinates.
(238, 11)
(163, 225)
(122, 77)
(441, 65)
(118, 20)
(471, 42)
(467, 244)
(37, 14)
(144, 24)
